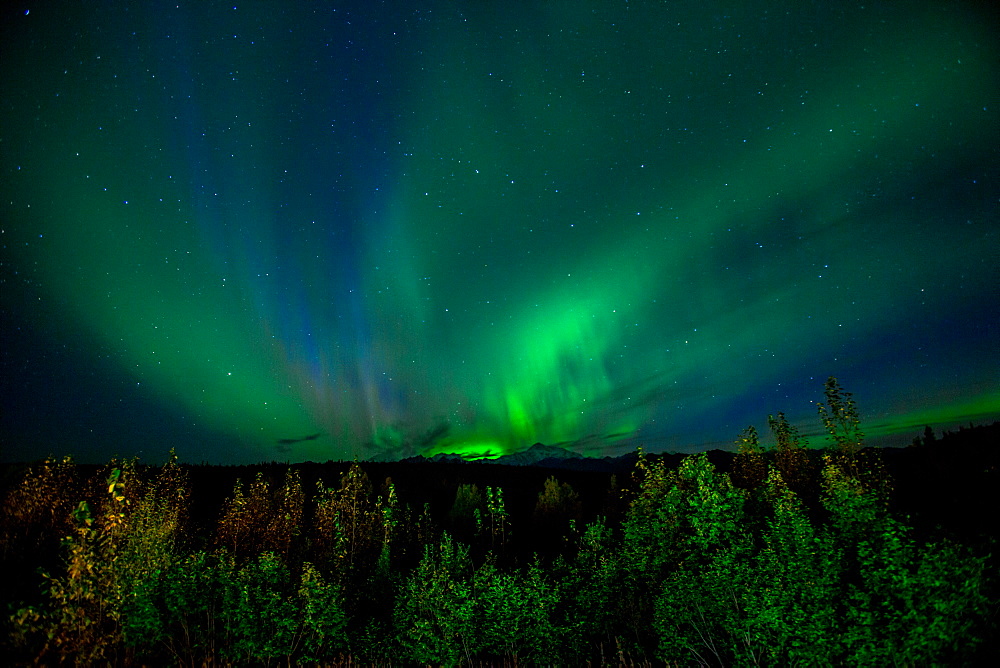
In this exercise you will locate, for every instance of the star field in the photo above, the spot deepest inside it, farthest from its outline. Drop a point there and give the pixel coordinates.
(468, 227)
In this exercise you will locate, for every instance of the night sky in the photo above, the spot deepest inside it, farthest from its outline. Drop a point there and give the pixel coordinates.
(420, 227)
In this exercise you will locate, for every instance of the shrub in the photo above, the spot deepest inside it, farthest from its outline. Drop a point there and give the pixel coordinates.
(435, 612)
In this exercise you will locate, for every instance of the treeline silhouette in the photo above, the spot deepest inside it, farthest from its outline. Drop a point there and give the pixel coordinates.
(842, 556)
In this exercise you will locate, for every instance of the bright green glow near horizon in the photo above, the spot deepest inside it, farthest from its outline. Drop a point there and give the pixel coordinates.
(947, 414)
(470, 450)
(634, 224)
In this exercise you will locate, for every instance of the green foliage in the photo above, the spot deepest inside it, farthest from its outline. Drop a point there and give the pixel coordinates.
(322, 634)
(497, 520)
(328, 548)
(791, 600)
(858, 591)
(756, 601)
(749, 467)
(699, 617)
(147, 552)
(284, 529)
(516, 615)
(701, 592)
(683, 516)
(37, 511)
(427, 531)
(258, 613)
(435, 613)
(110, 559)
(906, 602)
(352, 536)
(651, 542)
(714, 507)
(388, 505)
(76, 625)
(155, 524)
(245, 518)
(468, 499)
(790, 455)
(208, 607)
(263, 520)
(449, 612)
(674, 532)
(557, 509)
(651, 521)
(840, 417)
(558, 504)
(351, 511)
(774, 570)
(588, 587)
(182, 609)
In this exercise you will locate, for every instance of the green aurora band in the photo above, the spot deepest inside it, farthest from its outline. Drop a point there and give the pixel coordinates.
(531, 228)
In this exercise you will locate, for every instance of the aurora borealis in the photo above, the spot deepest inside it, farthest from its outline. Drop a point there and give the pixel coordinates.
(471, 226)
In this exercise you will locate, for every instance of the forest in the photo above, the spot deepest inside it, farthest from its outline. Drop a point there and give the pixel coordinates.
(780, 555)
